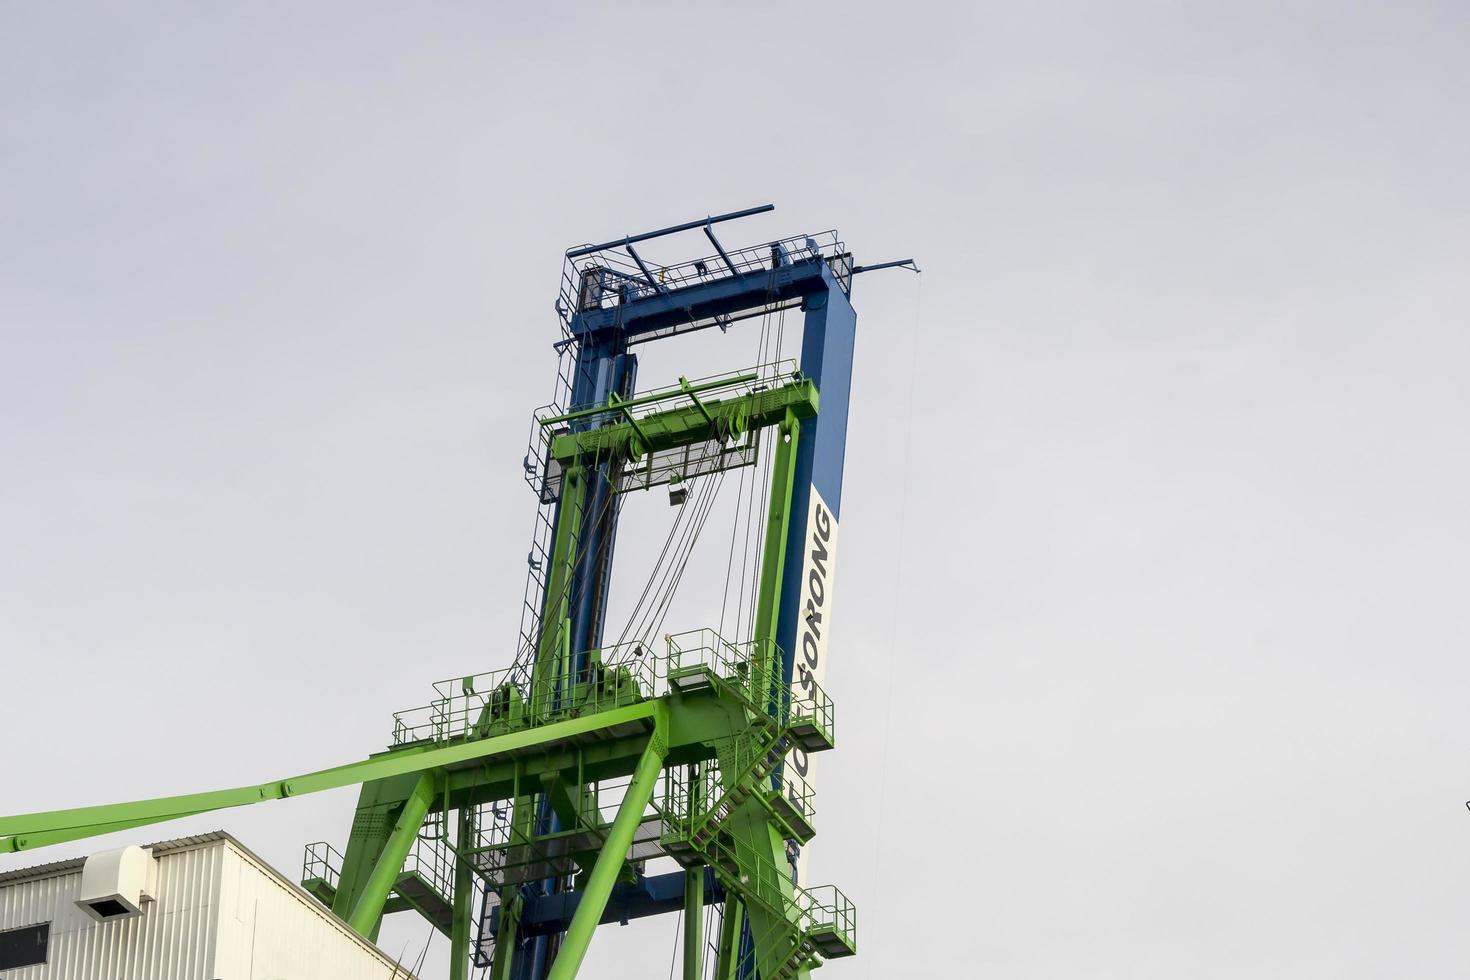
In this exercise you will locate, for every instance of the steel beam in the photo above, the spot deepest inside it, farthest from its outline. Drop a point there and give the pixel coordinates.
(688, 424)
(18, 830)
(707, 300)
(369, 908)
(614, 851)
(464, 893)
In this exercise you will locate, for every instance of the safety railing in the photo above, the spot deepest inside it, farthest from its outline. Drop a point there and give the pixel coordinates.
(323, 862)
(613, 277)
(494, 702)
(825, 908)
(433, 861)
(748, 668)
(794, 803)
(688, 793)
(812, 717)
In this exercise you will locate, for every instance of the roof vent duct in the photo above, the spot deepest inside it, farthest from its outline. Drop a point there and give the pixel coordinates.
(115, 884)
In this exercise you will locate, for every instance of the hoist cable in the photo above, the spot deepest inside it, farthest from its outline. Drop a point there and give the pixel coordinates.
(648, 586)
(673, 574)
(694, 539)
(730, 561)
(663, 573)
(659, 575)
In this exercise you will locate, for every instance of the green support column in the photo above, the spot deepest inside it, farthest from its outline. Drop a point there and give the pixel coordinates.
(464, 892)
(505, 938)
(773, 553)
(732, 924)
(754, 838)
(550, 645)
(694, 894)
(368, 836)
(693, 923)
(369, 908)
(614, 852)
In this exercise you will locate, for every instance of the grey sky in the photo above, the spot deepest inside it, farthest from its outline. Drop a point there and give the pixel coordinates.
(1150, 632)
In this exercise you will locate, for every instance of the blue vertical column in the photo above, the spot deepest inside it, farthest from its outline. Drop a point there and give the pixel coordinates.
(828, 339)
(603, 366)
(610, 369)
(829, 334)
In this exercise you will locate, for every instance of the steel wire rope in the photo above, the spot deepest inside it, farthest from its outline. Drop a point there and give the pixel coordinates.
(710, 946)
(419, 964)
(659, 576)
(730, 560)
(684, 565)
(756, 480)
(761, 514)
(765, 493)
(652, 577)
(673, 572)
(740, 500)
(766, 489)
(674, 955)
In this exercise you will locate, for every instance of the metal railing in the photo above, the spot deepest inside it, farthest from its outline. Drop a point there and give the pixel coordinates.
(494, 702)
(433, 861)
(614, 277)
(798, 793)
(809, 701)
(826, 907)
(323, 862)
(498, 701)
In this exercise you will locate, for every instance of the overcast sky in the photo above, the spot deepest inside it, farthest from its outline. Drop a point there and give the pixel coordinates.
(1149, 644)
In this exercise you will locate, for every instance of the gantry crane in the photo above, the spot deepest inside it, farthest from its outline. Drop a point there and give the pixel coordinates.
(520, 808)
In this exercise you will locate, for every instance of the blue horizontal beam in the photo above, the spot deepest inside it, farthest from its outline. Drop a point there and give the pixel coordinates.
(706, 300)
(544, 915)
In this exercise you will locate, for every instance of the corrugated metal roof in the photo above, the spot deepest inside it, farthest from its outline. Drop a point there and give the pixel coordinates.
(213, 918)
(162, 847)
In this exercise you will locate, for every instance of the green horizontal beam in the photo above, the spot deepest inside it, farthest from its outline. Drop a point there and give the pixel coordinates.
(48, 838)
(649, 399)
(689, 424)
(29, 830)
(698, 721)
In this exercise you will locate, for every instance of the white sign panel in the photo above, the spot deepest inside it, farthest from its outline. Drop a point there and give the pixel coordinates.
(814, 626)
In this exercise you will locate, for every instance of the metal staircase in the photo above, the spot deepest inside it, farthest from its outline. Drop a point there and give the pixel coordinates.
(699, 803)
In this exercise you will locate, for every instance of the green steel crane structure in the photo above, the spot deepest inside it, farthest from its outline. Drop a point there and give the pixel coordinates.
(519, 809)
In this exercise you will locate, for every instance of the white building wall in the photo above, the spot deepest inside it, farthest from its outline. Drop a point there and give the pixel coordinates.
(270, 930)
(172, 940)
(220, 914)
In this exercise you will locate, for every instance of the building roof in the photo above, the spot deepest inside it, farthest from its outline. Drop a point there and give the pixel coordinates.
(56, 868)
(178, 845)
